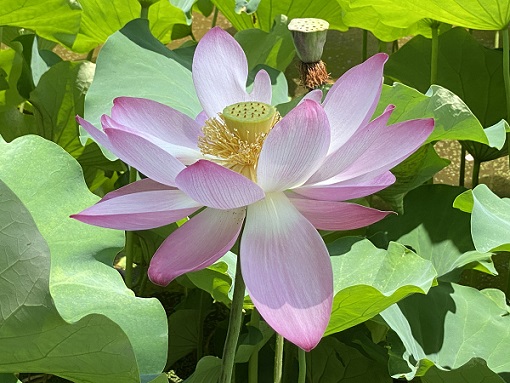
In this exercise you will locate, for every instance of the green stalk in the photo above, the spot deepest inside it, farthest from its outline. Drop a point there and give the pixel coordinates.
(476, 173)
(496, 40)
(364, 49)
(462, 172)
(434, 53)
(128, 250)
(234, 326)
(215, 17)
(200, 335)
(253, 363)
(144, 13)
(506, 77)
(278, 359)
(302, 365)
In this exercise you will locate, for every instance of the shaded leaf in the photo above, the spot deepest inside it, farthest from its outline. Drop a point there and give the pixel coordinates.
(432, 228)
(447, 328)
(207, 371)
(334, 362)
(274, 48)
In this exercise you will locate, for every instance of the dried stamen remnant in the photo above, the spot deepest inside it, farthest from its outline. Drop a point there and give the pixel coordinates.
(313, 75)
(236, 136)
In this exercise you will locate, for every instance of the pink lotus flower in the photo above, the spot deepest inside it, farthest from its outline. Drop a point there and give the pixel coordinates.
(284, 178)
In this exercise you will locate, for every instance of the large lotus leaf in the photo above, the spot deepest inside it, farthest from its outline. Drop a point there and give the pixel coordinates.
(33, 335)
(432, 228)
(100, 19)
(490, 218)
(475, 14)
(274, 48)
(134, 63)
(465, 67)
(367, 280)
(453, 120)
(50, 184)
(56, 20)
(386, 20)
(266, 12)
(474, 371)
(335, 362)
(447, 328)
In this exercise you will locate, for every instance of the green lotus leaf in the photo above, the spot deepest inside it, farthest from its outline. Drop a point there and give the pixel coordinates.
(367, 280)
(490, 218)
(435, 230)
(33, 335)
(82, 282)
(447, 328)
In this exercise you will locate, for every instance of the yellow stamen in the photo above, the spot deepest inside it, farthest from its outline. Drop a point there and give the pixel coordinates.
(236, 136)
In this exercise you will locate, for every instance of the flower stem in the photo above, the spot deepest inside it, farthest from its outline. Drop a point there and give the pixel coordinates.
(253, 363)
(128, 250)
(234, 326)
(215, 17)
(364, 49)
(506, 77)
(462, 171)
(302, 365)
(476, 173)
(278, 359)
(435, 52)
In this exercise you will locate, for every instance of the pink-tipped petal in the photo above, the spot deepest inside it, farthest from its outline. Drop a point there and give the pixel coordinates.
(352, 100)
(387, 148)
(287, 270)
(330, 215)
(98, 135)
(350, 189)
(294, 148)
(220, 71)
(201, 118)
(218, 187)
(143, 152)
(143, 185)
(338, 161)
(199, 243)
(315, 95)
(140, 210)
(262, 88)
(147, 116)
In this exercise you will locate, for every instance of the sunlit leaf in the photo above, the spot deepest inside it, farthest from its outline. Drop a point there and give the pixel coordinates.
(490, 218)
(50, 184)
(56, 20)
(453, 119)
(34, 336)
(367, 280)
(266, 12)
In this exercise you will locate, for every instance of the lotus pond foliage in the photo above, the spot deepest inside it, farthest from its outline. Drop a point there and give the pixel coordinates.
(190, 193)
